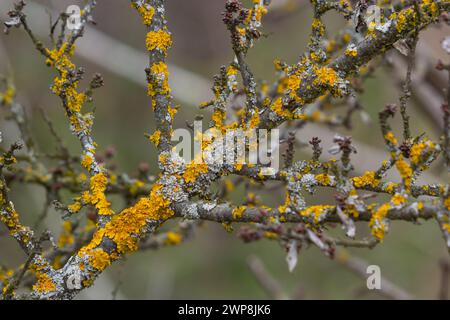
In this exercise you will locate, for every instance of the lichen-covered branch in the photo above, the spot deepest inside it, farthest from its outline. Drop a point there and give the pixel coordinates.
(327, 79)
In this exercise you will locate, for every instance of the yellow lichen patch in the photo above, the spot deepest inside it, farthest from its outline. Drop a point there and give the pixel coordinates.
(446, 227)
(242, 31)
(172, 112)
(420, 205)
(10, 218)
(75, 207)
(351, 211)
(260, 12)
(254, 120)
(351, 51)
(317, 212)
(405, 19)
(87, 161)
(398, 199)
(7, 97)
(173, 238)
(391, 138)
(97, 196)
(5, 275)
(75, 100)
(323, 179)
(447, 202)
(326, 76)
(125, 228)
(238, 211)
(391, 187)
(376, 221)
(147, 12)
(97, 258)
(44, 283)
(282, 209)
(318, 27)
(368, 179)
(60, 57)
(315, 57)
(232, 71)
(62, 86)
(418, 150)
(293, 84)
(193, 170)
(161, 86)
(278, 108)
(431, 7)
(371, 30)
(160, 40)
(155, 137)
(405, 172)
(218, 117)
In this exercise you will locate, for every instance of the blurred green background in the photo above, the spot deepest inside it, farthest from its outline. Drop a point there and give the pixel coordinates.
(213, 264)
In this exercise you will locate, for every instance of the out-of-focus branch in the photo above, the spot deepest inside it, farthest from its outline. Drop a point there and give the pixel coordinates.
(265, 279)
(445, 279)
(359, 267)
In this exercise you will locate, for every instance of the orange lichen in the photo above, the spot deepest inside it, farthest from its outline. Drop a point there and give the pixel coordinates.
(391, 138)
(125, 228)
(323, 179)
(419, 149)
(287, 203)
(75, 207)
(405, 172)
(238, 211)
(7, 97)
(87, 161)
(99, 259)
(161, 85)
(447, 202)
(280, 110)
(317, 212)
(193, 170)
(155, 137)
(326, 76)
(254, 120)
(368, 179)
(62, 86)
(218, 117)
(293, 84)
(97, 196)
(377, 223)
(146, 12)
(404, 18)
(391, 187)
(44, 283)
(398, 199)
(160, 40)
(416, 151)
(351, 51)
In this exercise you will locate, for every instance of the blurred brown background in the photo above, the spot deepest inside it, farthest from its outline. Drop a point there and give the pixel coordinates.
(213, 264)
